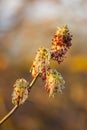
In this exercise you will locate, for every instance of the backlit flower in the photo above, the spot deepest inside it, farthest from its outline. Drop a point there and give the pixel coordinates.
(54, 82)
(41, 63)
(61, 42)
(20, 92)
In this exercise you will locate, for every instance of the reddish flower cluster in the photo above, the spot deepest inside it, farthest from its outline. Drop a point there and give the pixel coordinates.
(60, 44)
(41, 64)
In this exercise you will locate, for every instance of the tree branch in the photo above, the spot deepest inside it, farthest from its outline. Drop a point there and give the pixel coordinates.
(17, 106)
(8, 115)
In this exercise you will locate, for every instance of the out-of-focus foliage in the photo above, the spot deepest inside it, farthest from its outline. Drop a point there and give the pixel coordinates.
(18, 44)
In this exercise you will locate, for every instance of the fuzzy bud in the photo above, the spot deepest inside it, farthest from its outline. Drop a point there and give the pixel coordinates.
(41, 63)
(20, 93)
(54, 82)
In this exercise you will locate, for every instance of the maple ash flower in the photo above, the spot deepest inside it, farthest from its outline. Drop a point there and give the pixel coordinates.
(61, 42)
(41, 63)
(54, 82)
(20, 92)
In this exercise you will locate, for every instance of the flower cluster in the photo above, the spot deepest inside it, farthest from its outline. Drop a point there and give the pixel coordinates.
(54, 82)
(41, 63)
(20, 93)
(61, 42)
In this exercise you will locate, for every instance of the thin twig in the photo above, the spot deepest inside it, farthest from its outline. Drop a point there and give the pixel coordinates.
(9, 114)
(33, 81)
(17, 106)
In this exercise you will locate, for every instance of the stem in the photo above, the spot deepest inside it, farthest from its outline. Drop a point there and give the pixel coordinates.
(33, 81)
(9, 114)
(17, 106)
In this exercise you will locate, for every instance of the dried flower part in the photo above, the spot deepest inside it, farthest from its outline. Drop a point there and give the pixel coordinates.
(61, 42)
(54, 82)
(20, 93)
(41, 63)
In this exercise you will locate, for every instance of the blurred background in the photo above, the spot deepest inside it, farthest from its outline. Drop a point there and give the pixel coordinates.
(26, 25)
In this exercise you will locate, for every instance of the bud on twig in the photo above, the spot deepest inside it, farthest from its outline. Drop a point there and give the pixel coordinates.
(61, 42)
(41, 63)
(20, 92)
(54, 82)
